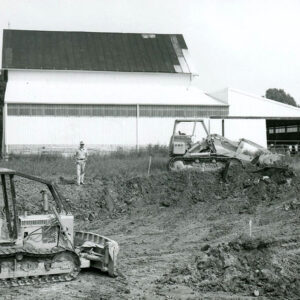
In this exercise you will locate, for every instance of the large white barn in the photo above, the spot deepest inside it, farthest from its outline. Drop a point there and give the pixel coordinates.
(111, 90)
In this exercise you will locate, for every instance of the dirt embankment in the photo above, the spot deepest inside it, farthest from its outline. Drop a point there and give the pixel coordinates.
(118, 195)
(188, 231)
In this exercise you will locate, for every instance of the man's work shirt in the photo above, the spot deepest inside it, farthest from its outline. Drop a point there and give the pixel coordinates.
(81, 154)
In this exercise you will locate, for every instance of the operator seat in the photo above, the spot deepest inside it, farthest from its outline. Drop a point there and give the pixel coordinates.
(199, 146)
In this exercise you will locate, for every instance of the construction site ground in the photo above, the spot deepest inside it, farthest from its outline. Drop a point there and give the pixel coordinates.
(182, 235)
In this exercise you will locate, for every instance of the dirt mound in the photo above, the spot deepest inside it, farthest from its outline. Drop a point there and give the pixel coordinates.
(186, 220)
(192, 186)
(117, 195)
(245, 266)
(254, 186)
(180, 188)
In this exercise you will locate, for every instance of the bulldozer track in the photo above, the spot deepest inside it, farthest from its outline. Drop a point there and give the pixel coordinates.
(9, 253)
(205, 163)
(35, 280)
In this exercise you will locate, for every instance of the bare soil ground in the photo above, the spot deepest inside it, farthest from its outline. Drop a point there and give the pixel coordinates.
(183, 235)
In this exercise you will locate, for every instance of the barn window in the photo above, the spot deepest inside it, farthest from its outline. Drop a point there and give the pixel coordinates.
(184, 111)
(148, 36)
(115, 110)
(292, 129)
(71, 110)
(280, 129)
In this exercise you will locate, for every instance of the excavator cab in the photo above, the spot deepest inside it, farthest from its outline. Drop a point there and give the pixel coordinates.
(43, 247)
(187, 134)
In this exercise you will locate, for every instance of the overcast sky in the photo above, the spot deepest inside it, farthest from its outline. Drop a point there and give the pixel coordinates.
(250, 45)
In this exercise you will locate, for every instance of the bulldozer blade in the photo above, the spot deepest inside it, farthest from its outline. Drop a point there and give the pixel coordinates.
(228, 164)
(272, 170)
(225, 170)
(254, 161)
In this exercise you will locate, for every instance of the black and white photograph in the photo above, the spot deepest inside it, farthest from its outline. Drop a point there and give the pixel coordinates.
(149, 149)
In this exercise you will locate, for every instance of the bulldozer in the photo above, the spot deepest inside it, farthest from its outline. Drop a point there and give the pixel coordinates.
(44, 248)
(213, 151)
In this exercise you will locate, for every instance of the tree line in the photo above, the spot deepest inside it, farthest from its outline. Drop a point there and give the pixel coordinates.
(281, 96)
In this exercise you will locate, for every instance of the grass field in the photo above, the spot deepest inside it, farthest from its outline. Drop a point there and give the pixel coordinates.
(121, 162)
(116, 163)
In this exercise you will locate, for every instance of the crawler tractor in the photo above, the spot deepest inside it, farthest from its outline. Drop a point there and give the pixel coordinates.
(214, 150)
(44, 248)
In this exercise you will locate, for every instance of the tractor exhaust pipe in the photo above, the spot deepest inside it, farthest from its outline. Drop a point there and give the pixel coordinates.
(45, 201)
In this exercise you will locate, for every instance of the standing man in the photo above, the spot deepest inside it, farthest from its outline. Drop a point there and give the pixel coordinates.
(81, 158)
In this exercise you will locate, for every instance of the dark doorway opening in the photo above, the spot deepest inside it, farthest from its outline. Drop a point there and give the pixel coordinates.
(283, 134)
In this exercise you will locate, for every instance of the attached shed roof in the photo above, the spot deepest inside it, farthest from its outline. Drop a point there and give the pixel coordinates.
(249, 105)
(94, 51)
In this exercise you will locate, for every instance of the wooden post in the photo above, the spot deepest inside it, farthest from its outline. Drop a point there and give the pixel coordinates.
(149, 165)
(4, 138)
(137, 127)
(223, 127)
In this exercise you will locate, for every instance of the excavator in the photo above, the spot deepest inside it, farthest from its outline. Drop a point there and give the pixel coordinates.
(213, 151)
(44, 248)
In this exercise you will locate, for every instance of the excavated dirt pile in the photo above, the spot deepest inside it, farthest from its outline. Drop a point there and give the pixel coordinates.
(118, 195)
(183, 233)
(245, 266)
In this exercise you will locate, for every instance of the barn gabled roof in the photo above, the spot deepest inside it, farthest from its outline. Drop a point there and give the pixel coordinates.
(94, 51)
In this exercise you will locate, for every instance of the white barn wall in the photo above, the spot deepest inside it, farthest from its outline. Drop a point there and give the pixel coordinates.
(100, 132)
(27, 86)
(62, 87)
(110, 133)
(215, 126)
(70, 130)
(251, 129)
(93, 76)
(30, 86)
(235, 129)
(158, 130)
(103, 87)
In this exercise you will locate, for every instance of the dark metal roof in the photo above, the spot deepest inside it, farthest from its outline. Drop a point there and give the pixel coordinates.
(91, 51)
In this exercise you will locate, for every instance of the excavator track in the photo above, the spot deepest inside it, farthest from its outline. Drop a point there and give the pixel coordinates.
(21, 266)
